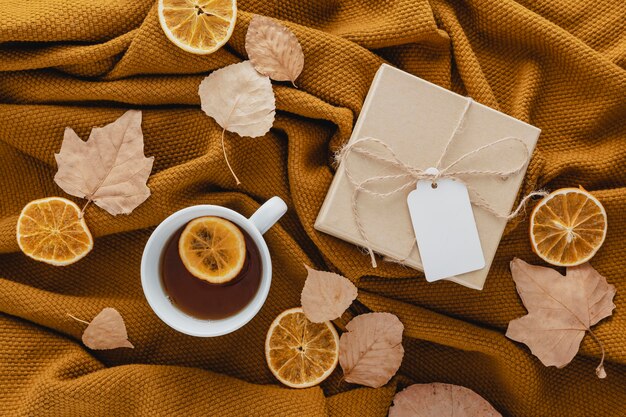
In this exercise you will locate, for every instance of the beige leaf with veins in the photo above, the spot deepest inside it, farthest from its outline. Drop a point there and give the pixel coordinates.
(371, 351)
(109, 169)
(106, 331)
(560, 310)
(326, 295)
(440, 400)
(240, 100)
(274, 50)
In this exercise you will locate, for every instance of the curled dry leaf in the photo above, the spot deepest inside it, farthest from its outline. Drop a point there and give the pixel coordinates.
(106, 331)
(560, 310)
(437, 400)
(109, 169)
(371, 351)
(274, 50)
(240, 100)
(326, 295)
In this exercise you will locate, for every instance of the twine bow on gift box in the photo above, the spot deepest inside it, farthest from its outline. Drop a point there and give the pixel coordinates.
(411, 175)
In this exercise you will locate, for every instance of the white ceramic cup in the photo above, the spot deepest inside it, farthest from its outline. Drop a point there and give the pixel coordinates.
(264, 218)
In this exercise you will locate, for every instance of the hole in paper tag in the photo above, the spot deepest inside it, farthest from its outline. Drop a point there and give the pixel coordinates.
(445, 229)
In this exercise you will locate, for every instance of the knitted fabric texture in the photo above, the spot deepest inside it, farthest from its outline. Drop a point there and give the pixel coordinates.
(559, 65)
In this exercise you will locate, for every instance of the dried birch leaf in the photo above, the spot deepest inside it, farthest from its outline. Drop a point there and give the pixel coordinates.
(274, 50)
(437, 400)
(106, 331)
(326, 295)
(560, 310)
(240, 100)
(109, 169)
(371, 351)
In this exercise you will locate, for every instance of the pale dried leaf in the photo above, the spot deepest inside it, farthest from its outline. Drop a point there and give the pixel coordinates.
(439, 400)
(274, 50)
(370, 351)
(239, 99)
(560, 310)
(326, 295)
(109, 169)
(106, 331)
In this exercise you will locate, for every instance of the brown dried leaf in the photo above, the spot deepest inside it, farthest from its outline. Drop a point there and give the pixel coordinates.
(274, 50)
(106, 331)
(560, 310)
(240, 100)
(437, 400)
(371, 351)
(109, 169)
(326, 295)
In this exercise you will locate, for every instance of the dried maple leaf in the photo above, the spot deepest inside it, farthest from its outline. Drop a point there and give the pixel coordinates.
(106, 331)
(371, 351)
(560, 310)
(240, 100)
(438, 400)
(274, 50)
(109, 169)
(326, 295)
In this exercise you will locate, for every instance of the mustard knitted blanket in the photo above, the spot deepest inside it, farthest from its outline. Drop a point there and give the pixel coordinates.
(559, 64)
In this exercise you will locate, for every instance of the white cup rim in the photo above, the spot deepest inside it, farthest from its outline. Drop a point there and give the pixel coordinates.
(153, 286)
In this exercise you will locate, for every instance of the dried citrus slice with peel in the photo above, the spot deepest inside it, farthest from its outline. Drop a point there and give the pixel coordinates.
(52, 230)
(198, 26)
(568, 227)
(212, 249)
(301, 353)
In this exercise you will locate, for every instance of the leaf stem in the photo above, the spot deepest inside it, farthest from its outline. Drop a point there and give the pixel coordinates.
(82, 212)
(294, 83)
(340, 381)
(226, 158)
(77, 319)
(600, 369)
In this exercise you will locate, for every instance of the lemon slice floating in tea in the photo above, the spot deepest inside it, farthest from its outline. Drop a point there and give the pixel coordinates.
(301, 353)
(51, 230)
(212, 249)
(568, 227)
(198, 26)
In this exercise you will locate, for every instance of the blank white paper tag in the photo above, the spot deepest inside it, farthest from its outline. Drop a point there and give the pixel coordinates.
(445, 228)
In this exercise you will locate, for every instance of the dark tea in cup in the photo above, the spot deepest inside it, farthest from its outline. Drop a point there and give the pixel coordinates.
(161, 265)
(200, 296)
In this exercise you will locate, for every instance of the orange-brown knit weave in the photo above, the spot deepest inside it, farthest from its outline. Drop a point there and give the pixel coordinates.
(558, 64)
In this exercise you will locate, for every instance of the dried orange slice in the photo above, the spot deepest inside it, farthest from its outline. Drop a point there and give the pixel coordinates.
(52, 230)
(198, 26)
(301, 353)
(568, 227)
(212, 249)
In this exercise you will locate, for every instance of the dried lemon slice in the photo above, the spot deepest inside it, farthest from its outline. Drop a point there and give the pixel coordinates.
(212, 249)
(51, 230)
(568, 227)
(301, 353)
(198, 26)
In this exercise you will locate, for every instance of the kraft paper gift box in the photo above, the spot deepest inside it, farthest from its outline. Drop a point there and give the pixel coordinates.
(416, 119)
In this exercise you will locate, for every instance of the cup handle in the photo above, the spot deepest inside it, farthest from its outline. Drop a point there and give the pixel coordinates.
(268, 214)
